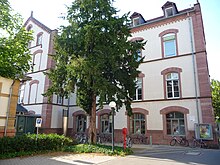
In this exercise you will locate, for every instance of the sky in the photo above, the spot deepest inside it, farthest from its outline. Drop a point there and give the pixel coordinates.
(49, 12)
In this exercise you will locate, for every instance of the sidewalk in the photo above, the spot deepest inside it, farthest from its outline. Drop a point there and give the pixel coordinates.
(87, 159)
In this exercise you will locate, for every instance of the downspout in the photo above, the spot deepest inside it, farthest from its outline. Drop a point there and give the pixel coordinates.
(194, 68)
(8, 109)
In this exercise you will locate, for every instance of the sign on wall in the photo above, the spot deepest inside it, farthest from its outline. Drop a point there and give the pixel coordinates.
(203, 131)
(38, 122)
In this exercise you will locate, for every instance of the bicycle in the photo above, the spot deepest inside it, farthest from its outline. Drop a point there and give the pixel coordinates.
(181, 141)
(198, 143)
(81, 138)
(128, 142)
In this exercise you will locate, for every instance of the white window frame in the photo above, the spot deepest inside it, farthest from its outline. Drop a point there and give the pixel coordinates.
(81, 123)
(106, 123)
(171, 37)
(139, 84)
(174, 77)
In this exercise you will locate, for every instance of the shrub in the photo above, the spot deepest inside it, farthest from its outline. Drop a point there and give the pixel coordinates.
(33, 143)
(89, 148)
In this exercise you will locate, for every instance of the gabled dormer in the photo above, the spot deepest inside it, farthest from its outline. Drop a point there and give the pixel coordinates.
(169, 9)
(137, 19)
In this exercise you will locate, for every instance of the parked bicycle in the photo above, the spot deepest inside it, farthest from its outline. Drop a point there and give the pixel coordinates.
(128, 142)
(81, 138)
(198, 143)
(181, 141)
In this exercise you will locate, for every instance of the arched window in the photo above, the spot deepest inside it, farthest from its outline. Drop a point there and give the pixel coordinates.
(29, 29)
(137, 123)
(172, 82)
(81, 123)
(175, 123)
(106, 123)
(36, 61)
(138, 90)
(174, 120)
(33, 90)
(169, 45)
(172, 85)
(169, 42)
(39, 38)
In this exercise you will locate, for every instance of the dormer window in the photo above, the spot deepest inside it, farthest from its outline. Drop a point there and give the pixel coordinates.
(169, 12)
(136, 21)
(169, 9)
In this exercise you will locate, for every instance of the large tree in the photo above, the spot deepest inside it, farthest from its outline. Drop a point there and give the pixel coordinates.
(14, 53)
(215, 86)
(95, 55)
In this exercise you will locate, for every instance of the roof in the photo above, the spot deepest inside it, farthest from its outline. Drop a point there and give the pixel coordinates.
(135, 14)
(20, 108)
(31, 18)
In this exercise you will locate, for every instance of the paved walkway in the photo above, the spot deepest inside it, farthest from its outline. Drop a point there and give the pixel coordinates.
(89, 159)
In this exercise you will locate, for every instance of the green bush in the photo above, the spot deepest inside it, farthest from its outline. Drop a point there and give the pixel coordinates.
(89, 148)
(33, 143)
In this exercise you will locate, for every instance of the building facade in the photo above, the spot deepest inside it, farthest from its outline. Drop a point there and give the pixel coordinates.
(8, 100)
(173, 90)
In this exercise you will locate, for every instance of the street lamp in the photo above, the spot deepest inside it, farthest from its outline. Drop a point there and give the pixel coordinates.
(112, 104)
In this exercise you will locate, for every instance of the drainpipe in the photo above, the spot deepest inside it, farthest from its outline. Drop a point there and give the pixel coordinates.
(8, 109)
(194, 67)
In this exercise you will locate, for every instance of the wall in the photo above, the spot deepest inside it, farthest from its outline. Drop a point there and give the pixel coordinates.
(5, 85)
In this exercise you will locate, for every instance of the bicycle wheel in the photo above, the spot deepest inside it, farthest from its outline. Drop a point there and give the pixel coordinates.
(173, 142)
(203, 144)
(129, 143)
(194, 144)
(184, 142)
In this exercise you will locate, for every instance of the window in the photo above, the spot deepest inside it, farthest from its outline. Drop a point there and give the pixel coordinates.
(36, 60)
(29, 44)
(81, 123)
(33, 90)
(169, 12)
(139, 53)
(169, 44)
(175, 123)
(138, 123)
(106, 123)
(29, 28)
(59, 100)
(172, 83)
(138, 91)
(136, 21)
(21, 94)
(39, 38)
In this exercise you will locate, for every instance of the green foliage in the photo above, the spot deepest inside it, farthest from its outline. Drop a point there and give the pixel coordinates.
(14, 53)
(215, 87)
(88, 148)
(95, 55)
(32, 143)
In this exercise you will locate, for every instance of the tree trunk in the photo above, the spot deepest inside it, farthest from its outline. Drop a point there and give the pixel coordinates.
(92, 125)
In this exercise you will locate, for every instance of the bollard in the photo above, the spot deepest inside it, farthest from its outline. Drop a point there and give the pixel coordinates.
(150, 140)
